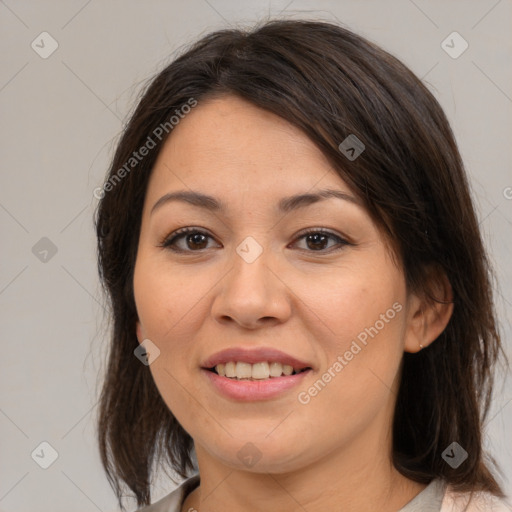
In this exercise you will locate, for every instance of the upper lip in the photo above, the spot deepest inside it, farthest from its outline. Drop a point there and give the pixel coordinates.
(254, 355)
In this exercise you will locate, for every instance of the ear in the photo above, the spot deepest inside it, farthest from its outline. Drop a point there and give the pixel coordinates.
(428, 313)
(140, 332)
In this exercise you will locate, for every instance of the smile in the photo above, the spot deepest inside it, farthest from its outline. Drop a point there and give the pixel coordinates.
(254, 373)
(258, 371)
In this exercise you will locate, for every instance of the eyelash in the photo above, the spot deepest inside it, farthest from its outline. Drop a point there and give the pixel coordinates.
(168, 242)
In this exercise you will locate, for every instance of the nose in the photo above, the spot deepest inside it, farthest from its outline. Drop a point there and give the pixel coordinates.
(252, 295)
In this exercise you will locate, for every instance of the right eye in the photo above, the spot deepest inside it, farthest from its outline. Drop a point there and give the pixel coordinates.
(194, 240)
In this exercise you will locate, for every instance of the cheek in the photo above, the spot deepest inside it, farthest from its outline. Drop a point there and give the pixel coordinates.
(360, 335)
(155, 309)
(169, 306)
(355, 302)
(362, 351)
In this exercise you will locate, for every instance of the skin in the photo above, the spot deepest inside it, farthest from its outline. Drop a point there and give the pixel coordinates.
(304, 298)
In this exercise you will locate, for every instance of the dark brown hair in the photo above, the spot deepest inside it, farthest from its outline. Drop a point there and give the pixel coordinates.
(330, 83)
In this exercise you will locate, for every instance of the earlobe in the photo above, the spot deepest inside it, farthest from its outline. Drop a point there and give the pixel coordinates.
(429, 314)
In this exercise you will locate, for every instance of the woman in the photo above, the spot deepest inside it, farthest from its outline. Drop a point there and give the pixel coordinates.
(299, 289)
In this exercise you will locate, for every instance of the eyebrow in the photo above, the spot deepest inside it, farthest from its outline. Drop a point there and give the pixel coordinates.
(285, 205)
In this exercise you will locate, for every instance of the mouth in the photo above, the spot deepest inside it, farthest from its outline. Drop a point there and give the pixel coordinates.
(258, 363)
(263, 370)
(260, 373)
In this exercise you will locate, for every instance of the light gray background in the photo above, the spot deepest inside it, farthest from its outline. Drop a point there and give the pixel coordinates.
(60, 117)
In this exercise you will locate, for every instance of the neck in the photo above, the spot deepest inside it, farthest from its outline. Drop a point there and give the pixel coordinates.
(352, 479)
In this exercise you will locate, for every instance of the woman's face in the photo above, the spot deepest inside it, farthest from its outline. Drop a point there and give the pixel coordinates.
(251, 279)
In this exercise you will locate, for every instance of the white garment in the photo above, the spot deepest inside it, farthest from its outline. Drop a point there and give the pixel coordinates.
(436, 495)
(483, 502)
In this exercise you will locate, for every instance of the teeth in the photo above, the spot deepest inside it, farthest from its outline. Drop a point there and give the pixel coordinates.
(276, 369)
(243, 370)
(230, 369)
(259, 371)
(287, 369)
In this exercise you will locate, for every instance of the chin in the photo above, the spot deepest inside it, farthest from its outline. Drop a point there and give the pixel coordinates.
(260, 454)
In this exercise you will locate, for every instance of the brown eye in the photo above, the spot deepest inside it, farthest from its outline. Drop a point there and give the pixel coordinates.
(187, 240)
(196, 241)
(318, 241)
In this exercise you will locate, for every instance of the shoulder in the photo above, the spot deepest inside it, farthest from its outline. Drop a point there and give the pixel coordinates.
(173, 501)
(480, 502)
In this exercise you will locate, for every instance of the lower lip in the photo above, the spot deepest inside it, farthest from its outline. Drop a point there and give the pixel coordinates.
(252, 390)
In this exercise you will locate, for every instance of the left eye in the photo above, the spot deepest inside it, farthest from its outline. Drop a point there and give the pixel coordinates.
(318, 240)
(197, 240)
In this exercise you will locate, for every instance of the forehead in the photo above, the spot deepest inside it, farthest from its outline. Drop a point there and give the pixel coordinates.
(227, 146)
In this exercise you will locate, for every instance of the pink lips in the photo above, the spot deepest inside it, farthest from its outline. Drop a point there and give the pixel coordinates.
(253, 390)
